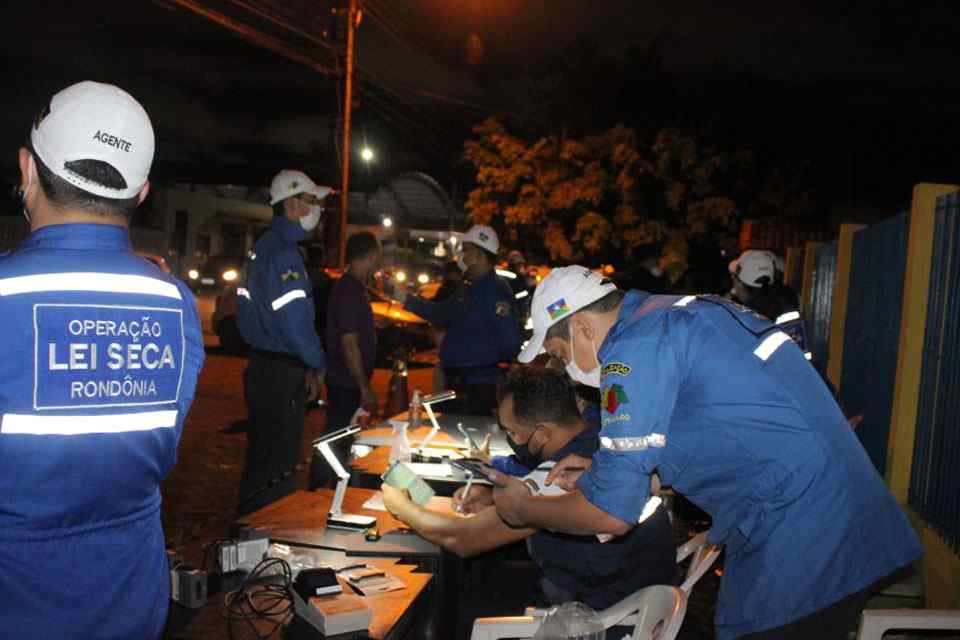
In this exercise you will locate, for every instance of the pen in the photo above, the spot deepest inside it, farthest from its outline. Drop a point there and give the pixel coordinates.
(466, 491)
(466, 435)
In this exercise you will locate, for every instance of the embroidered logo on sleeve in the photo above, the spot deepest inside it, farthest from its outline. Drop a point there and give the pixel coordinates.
(615, 368)
(288, 275)
(503, 308)
(558, 309)
(614, 397)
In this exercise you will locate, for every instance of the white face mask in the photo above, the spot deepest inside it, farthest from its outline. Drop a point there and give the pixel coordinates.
(310, 221)
(590, 378)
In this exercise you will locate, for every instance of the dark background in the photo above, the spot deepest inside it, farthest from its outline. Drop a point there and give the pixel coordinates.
(860, 100)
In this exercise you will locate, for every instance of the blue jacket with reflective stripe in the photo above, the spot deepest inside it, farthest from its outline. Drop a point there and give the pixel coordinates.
(98, 367)
(275, 310)
(728, 411)
(481, 324)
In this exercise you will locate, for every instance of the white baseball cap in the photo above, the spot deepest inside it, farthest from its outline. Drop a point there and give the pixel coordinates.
(289, 183)
(96, 121)
(562, 293)
(483, 237)
(753, 265)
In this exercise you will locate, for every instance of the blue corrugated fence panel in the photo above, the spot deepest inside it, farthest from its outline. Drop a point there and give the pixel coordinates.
(871, 335)
(935, 478)
(821, 301)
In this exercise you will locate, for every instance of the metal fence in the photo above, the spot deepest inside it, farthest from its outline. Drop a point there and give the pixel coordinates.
(821, 301)
(935, 479)
(871, 337)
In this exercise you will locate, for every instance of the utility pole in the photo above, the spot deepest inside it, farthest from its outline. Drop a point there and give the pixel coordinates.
(347, 107)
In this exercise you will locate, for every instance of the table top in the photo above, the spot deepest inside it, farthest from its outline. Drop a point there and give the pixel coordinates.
(388, 608)
(300, 519)
(377, 461)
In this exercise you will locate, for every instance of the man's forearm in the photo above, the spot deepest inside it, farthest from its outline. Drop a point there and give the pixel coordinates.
(462, 536)
(570, 513)
(354, 359)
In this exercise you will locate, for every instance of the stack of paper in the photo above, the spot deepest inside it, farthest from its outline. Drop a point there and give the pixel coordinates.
(342, 613)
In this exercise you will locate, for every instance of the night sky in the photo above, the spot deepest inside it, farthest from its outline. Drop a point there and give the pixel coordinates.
(865, 96)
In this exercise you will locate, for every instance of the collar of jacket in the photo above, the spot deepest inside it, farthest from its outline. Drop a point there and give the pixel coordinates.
(79, 236)
(289, 230)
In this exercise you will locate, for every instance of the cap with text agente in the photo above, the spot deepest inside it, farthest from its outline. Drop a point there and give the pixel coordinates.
(289, 183)
(95, 121)
(562, 293)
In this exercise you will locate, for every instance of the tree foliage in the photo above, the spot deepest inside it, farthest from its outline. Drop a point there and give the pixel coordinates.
(592, 199)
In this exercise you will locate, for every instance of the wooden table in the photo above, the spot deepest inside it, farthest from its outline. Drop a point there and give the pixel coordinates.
(300, 519)
(393, 612)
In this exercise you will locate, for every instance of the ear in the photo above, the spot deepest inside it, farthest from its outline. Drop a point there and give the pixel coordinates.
(28, 170)
(580, 324)
(144, 190)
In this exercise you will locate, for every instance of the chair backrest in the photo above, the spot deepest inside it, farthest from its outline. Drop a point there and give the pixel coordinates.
(656, 612)
(703, 555)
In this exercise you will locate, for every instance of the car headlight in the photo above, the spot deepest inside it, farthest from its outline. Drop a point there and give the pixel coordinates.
(229, 275)
(423, 278)
(193, 274)
(401, 276)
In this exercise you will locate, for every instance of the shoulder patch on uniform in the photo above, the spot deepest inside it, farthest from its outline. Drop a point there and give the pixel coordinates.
(503, 308)
(289, 274)
(615, 368)
(614, 397)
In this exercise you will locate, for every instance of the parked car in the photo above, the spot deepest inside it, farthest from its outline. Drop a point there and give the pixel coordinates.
(399, 332)
(216, 272)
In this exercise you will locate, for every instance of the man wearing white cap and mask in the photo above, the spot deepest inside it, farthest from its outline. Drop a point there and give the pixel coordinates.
(98, 367)
(275, 314)
(482, 328)
(724, 407)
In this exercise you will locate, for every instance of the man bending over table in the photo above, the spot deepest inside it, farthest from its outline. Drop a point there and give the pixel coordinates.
(538, 412)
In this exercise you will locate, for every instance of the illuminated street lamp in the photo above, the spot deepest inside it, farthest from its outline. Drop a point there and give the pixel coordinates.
(388, 222)
(367, 154)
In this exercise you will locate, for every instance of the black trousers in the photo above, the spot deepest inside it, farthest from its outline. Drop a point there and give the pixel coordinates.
(473, 399)
(276, 394)
(342, 402)
(830, 623)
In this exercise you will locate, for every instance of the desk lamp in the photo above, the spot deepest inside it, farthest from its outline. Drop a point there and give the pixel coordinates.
(428, 402)
(336, 518)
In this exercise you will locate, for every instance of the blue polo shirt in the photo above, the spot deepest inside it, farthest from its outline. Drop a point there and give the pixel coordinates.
(726, 409)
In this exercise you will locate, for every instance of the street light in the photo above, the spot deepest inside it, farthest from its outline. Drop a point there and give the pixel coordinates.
(367, 154)
(388, 222)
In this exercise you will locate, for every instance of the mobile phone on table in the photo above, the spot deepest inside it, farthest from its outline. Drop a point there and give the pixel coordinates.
(478, 468)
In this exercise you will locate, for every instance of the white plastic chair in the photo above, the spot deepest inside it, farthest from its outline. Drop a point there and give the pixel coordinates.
(704, 555)
(656, 613)
(876, 622)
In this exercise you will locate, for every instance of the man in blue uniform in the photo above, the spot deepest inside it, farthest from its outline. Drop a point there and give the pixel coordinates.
(99, 362)
(538, 412)
(482, 328)
(725, 408)
(275, 314)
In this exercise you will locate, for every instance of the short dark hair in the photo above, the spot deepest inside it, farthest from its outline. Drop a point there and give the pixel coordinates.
(63, 195)
(608, 302)
(540, 394)
(360, 245)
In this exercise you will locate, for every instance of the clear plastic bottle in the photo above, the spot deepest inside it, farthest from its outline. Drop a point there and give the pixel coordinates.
(400, 444)
(413, 413)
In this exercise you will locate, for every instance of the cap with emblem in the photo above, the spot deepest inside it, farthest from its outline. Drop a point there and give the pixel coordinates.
(752, 266)
(484, 237)
(562, 293)
(289, 183)
(95, 121)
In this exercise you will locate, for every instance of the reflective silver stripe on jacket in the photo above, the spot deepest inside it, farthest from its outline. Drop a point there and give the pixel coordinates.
(656, 440)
